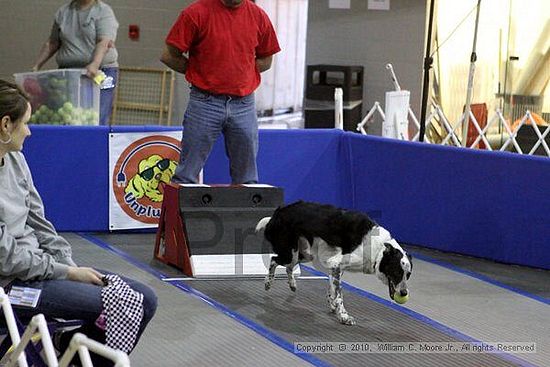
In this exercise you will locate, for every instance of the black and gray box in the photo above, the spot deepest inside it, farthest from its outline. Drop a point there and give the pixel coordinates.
(221, 220)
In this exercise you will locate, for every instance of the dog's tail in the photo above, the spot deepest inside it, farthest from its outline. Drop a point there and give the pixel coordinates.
(262, 223)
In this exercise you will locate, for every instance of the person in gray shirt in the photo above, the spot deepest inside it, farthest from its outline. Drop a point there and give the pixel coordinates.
(83, 36)
(32, 253)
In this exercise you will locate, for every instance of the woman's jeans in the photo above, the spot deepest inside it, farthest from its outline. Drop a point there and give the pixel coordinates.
(207, 116)
(107, 95)
(70, 300)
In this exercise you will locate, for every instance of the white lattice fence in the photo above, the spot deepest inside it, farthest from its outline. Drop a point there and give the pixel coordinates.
(450, 133)
(497, 134)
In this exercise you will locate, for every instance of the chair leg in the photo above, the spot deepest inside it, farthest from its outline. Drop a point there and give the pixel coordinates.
(32, 350)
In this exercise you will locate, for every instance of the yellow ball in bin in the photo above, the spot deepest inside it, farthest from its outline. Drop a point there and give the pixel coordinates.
(400, 299)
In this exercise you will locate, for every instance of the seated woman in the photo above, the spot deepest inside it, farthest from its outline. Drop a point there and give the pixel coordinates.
(33, 255)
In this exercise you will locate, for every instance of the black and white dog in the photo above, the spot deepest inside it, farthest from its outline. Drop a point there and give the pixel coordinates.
(338, 240)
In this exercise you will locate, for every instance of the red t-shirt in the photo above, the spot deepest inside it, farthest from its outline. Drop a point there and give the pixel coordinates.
(223, 44)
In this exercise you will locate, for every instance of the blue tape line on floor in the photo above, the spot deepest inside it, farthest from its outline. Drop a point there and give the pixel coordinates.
(478, 276)
(272, 337)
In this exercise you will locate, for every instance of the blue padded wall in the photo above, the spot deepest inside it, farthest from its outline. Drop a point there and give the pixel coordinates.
(308, 164)
(486, 204)
(70, 168)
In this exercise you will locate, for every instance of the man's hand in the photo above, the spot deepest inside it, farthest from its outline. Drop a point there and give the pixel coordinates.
(84, 275)
(174, 59)
(263, 63)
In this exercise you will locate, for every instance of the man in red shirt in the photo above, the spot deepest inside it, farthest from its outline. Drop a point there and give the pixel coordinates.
(228, 44)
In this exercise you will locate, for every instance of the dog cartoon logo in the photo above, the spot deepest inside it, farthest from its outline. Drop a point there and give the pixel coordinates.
(152, 171)
(139, 174)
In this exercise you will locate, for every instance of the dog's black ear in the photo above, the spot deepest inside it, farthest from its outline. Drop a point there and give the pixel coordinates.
(389, 248)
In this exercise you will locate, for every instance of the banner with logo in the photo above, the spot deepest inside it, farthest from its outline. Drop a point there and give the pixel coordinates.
(139, 164)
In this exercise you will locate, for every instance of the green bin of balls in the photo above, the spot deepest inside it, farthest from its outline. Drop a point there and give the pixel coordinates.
(61, 97)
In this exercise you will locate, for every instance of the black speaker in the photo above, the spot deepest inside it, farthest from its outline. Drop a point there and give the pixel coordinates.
(220, 220)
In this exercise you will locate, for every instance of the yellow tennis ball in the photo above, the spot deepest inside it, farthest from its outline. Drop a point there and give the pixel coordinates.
(400, 299)
(100, 77)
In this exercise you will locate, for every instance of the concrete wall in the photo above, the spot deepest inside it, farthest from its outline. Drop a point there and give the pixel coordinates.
(25, 25)
(355, 36)
(371, 38)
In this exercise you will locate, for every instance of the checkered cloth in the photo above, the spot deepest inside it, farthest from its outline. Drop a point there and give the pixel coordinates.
(124, 310)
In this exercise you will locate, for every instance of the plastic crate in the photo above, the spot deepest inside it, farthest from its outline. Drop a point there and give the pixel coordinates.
(61, 97)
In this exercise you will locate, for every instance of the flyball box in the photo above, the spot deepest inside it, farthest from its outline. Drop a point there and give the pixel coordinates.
(210, 230)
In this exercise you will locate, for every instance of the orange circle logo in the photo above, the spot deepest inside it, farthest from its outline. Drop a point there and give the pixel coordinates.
(139, 174)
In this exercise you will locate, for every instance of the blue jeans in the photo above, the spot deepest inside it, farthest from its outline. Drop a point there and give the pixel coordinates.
(207, 116)
(107, 94)
(69, 300)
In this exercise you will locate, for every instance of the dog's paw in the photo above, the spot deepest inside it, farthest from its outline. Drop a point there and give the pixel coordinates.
(350, 321)
(346, 319)
(292, 283)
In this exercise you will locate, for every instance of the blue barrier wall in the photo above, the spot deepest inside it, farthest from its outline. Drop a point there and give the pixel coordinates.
(71, 165)
(70, 168)
(485, 204)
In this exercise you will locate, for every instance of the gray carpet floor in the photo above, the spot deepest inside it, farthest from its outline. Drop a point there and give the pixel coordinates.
(237, 323)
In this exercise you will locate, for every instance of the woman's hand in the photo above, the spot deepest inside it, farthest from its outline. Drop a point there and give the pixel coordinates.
(92, 70)
(84, 275)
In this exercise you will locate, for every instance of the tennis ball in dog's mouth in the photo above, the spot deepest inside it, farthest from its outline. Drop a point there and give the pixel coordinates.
(400, 299)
